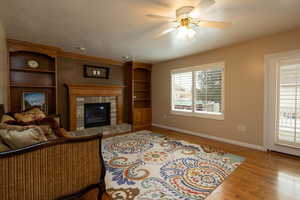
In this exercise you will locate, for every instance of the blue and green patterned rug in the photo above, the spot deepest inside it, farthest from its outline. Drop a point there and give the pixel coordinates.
(150, 166)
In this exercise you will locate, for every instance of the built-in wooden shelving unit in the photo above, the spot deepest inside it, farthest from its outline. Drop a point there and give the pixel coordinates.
(139, 86)
(26, 79)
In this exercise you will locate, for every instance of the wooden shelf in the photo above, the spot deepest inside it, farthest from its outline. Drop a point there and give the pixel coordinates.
(146, 90)
(32, 70)
(136, 100)
(32, 86)
(141, 81)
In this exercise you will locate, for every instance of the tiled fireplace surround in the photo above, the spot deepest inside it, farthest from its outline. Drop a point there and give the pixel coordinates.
(81, 94)
(99, 99)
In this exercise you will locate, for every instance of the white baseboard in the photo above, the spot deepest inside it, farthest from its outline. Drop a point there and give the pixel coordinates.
(243, 144)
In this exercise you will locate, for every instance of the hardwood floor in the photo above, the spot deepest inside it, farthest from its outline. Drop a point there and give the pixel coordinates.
(263, 176)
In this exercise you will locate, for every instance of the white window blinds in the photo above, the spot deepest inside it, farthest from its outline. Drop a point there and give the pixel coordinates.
(288, 117)
(199, 90)
(208, 91)
(182, 86)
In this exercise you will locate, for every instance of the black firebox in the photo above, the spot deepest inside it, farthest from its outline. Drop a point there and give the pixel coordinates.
(96, 114)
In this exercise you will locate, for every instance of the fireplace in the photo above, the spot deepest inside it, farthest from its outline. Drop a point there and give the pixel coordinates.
(96, 114)
(85, 94)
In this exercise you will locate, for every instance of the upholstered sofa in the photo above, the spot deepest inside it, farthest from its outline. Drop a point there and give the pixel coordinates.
(60, 168)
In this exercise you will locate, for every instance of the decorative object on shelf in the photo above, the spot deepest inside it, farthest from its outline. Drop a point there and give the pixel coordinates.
(35, 99)
(33, 64)
(96, 72)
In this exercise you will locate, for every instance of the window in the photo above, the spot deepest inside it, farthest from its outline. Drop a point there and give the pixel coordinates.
(198, 91)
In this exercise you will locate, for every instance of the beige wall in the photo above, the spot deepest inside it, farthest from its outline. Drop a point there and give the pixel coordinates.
(3, 67)
(244, 88)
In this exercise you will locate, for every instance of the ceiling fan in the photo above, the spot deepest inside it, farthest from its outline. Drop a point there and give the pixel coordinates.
(185, 24)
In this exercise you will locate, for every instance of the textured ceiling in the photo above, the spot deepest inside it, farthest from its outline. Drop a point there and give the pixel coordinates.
(116, 28)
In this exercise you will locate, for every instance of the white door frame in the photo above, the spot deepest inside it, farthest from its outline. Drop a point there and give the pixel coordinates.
(270, 100)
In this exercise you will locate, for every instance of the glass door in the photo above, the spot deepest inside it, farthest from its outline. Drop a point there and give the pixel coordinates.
(288, 104)
(282, 103)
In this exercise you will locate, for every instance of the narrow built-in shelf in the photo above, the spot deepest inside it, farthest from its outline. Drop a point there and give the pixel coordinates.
(145, 99)
(146, 90)
(32, 70)
(32, 86)
(141, 81)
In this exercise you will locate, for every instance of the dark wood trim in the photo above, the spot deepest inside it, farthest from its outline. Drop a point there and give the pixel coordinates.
(73, 86)
(102, 185)
(140, 65)
(18, 45)
(1, 111)
(42, 145)
(33, 70)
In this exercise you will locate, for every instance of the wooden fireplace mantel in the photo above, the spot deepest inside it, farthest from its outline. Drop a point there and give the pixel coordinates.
(75, 91)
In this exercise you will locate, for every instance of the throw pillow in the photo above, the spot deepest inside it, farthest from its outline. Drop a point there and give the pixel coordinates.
(21, 136)
(49, 121)
(32, 114)
(6, 118)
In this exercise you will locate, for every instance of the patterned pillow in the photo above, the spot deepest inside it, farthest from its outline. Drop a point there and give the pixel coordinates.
(30, 115)
(6, 118)
(20, 136)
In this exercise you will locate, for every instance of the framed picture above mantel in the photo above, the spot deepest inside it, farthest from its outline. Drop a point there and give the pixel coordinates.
(96, 72)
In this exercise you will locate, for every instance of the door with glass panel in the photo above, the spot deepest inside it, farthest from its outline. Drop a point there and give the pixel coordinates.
(288, 106)
(285, 134)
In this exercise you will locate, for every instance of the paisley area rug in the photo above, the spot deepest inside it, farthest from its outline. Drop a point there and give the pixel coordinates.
(150, 166)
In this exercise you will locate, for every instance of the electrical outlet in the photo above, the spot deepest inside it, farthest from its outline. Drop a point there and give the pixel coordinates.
(242, 128)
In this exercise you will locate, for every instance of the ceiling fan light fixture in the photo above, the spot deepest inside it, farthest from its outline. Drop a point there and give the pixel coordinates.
(186, 24)
(185, 32)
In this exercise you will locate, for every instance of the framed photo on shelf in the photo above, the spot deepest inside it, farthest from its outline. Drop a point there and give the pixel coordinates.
(34, 99)
(96, 72)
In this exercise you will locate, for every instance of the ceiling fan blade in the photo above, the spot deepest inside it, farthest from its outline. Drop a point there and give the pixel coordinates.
(214, 24)
(204, 4)
(169, 30)
(161, 17)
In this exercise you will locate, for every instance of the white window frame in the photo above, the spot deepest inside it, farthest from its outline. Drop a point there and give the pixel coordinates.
(194, 113)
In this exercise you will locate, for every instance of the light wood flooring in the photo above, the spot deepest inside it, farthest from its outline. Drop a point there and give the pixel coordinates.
(263, 176)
